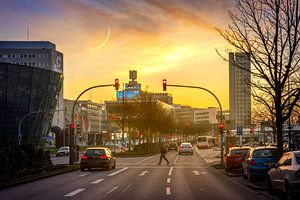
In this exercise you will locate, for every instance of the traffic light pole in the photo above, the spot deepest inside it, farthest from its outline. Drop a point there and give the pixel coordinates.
(71, 133)
(220, 106)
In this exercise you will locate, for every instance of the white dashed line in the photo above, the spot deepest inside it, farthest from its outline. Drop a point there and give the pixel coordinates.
(196, 173)
(170, 172)
(75, 192)
(119, 171)
(144, 160)
(168, 191)
(81, 175)
(127, 187)
(97, 181)
(203, 173)
(168, 180)
(110, 191)
(143, 173)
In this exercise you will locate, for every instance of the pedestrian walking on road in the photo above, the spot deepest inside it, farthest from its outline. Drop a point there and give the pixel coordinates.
(163, 152)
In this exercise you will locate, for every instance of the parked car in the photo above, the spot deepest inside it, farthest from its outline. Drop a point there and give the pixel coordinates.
(63, 151)
(172, 146)
(259, 161)
(185, 147)
(233, 160)
(285, 175)
(116, 148)
(97, 157)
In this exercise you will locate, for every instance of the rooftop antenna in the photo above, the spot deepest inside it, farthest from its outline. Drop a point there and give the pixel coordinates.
(27, 33)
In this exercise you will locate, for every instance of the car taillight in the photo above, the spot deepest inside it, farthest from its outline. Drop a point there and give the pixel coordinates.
(103, 157)
(251, 162)
(190, 147)
(84, 157)
(297, 174)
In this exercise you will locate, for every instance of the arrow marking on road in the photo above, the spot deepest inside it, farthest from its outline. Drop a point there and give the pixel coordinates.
(143, 173)
(81, 175)
(196, 173)
(168, 191)
(119, 171)
(97, 181)
(75, 192)
(170, 172)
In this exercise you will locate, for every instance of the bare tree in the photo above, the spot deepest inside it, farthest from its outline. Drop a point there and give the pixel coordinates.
(268, 30)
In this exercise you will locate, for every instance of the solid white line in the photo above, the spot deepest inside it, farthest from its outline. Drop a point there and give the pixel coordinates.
(168, 180)
(144, 160)
(168, 191)
(119, 171)
(81, 175)
(75, 192)
(170, 172)
(97, 181)
(112, 190)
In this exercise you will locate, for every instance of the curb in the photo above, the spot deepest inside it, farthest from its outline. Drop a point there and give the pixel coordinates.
(255, 187)
(40, 176)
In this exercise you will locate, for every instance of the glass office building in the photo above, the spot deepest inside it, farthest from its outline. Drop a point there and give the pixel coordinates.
(24, 90)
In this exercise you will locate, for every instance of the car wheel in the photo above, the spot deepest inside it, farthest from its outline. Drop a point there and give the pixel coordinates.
(270, 186)
(288, 191)
(82, 169)
(249, 176)
(114, 166)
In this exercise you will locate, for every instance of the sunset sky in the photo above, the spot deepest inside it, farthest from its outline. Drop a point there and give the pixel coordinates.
(103, 39)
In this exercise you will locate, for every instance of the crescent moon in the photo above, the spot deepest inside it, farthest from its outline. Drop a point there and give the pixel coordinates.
(104, 42)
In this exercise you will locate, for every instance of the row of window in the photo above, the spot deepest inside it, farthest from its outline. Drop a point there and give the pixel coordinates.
(33, 64)
(21, 55)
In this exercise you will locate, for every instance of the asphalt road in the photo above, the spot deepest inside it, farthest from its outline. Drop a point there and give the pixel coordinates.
(186, 177)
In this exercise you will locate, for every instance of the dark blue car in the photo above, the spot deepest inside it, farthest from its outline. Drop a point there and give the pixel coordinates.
(259, 161)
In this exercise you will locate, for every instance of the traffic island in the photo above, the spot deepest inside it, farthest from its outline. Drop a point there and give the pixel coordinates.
(55, 170)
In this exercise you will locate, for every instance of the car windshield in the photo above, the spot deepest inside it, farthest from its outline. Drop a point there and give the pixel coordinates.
(265, 153)
(95, 152)
(297, 156)
(63, 148)
(239, 151)
(202, 139)
(186, 145)
(172, 144)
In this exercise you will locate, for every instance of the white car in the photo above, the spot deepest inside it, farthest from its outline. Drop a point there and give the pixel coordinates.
(285, 175)
(63, 151)
(185, 147)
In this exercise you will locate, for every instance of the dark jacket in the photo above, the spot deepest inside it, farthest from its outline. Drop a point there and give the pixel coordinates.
(163, 150)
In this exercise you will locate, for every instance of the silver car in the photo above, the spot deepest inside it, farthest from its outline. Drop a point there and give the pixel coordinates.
(286, 174)
(63, 151)
(185, 148)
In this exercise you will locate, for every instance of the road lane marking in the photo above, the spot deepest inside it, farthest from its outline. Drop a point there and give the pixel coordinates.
(128, 186)
(168, 191)
(196, 173)
(203, 173)
(81, 175)
(119, 171)
(143, 173)
(97, 181)
(168, 180)
(176, 159)
(170, 172)
(144, 160)
(75, 192)
(110, 191)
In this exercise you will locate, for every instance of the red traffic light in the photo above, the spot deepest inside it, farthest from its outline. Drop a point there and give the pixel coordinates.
(72, 126)
(251, 130)
(117, 84)
(221, 126)
(164, 85)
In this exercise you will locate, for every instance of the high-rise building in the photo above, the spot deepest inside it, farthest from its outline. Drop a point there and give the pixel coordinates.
(37, 54)
(239, 90)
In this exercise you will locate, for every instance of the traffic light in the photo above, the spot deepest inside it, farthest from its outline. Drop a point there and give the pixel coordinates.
(221, 126)
(72, 128)
(117, 84)
(78, 128)
(251, 130)
(165, 85)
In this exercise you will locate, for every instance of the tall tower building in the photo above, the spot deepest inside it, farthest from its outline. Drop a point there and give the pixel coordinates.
(239, 90)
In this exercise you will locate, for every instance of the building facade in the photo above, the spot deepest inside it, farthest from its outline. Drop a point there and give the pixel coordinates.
(239, 90)
(37, 54)
(208, 115)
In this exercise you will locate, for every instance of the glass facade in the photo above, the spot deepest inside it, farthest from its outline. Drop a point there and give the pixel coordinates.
(25, 89)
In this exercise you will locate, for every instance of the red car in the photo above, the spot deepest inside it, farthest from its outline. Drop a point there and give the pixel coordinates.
(233, 160)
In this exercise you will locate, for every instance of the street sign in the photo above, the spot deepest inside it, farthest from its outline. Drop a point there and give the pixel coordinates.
(239, 130)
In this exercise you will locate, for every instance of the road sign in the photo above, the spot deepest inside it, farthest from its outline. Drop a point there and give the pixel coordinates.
(239, 130)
